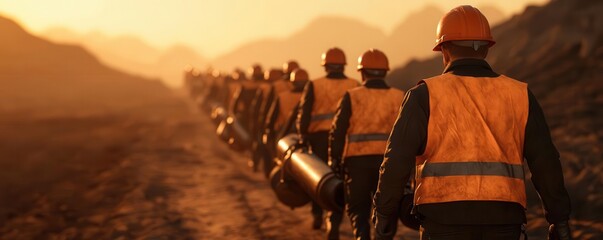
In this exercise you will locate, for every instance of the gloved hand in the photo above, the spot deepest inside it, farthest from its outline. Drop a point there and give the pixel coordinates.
(336, 167)
(303, 142)
(560, 231)
(385, 226)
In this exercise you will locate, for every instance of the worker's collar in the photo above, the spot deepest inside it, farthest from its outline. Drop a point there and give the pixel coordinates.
(336, 75)
(470, 67)
(375, 83)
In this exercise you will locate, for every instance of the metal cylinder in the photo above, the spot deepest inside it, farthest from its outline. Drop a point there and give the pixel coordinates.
(406, 215)
(285, 144)
(317, 179)
(218, 113)
(231, 131)
(312, 174)
(240, 137)
(223, 131)
(286, 189)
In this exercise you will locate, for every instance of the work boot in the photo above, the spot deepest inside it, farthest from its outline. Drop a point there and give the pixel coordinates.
(317, 214)
(317, 222)
(333, 222)
(332, 231)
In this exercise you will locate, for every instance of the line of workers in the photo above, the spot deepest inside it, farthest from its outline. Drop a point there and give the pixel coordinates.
(341, 143)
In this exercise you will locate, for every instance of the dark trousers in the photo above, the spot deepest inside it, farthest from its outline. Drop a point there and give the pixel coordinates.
(434, 231)
(319, 142)
(360, 184)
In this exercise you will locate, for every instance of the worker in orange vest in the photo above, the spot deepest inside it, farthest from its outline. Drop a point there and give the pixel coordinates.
(260, 106)
(233, 83)
(280, 84)
(317, 109)
(467, 132)
(285, 107)
(262, 101)
(284, 84)
(244, 97)
(362, 124)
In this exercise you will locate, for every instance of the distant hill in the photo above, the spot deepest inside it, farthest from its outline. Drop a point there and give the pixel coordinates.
(558, 50)
(36, 74)
(133, 55)
(307, 45)
(495, 16)
(411, 38)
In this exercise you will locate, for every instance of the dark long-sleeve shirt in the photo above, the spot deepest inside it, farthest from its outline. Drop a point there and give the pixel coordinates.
(408, 140)
(341, 123)
(307, 102)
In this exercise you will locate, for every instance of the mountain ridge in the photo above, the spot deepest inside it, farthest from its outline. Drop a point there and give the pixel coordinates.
(38, 75)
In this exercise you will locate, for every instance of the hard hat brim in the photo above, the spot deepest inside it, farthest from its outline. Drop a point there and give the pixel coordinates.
(438, 46)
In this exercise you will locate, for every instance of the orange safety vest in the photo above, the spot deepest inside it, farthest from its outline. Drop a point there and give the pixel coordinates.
(475, 139)
(287, 101)
(374, 112)
(282, 85)
(265, 88)
(327, 93)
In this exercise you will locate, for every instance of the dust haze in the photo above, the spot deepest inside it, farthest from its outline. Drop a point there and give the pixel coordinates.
(98, 139)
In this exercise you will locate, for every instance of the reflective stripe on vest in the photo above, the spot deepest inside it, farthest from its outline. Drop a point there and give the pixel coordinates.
(472, 168)
(327, 94)
(368, 137)
(475, 137)
(374, 112)
(322, 117)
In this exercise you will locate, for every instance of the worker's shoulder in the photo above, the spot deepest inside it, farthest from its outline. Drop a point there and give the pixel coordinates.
(419, 91)
(356, 89)
(325, 79)
(320, 79)
(353, 80)
(438, 78)
(512, 81)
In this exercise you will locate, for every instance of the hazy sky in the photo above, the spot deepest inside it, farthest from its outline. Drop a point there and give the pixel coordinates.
(215, 26)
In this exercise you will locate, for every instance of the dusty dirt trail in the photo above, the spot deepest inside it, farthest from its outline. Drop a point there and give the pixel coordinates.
(216, 194)
(161, 177)
(227, 200)
(157, 175)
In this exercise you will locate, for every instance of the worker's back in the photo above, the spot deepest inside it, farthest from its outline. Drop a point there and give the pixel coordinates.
(476, 128)
(374, 111)
(327, 93)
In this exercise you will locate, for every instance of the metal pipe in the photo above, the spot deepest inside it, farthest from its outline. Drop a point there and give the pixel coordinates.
(311, 173)
(286, 189)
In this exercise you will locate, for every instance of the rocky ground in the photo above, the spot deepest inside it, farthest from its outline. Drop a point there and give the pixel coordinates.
(132, 177)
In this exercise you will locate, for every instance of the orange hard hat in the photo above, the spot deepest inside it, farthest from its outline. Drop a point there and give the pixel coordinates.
(256, 70)
(333, 56)
(289, 66)
(373, 59)
(463, 23)
(273, 74)
(238, 74)
(299, 75)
